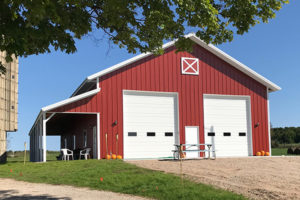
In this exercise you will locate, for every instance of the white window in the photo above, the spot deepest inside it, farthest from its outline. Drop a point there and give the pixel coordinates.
(65, 142)
(74, 142)
(84, 138)
(190, 66)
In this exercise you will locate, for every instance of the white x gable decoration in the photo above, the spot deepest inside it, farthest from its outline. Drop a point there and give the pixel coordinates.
(190, 66)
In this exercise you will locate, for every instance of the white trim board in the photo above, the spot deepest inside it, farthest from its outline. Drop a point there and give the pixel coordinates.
(98, 136)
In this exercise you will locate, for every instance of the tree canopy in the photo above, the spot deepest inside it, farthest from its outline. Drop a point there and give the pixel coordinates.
(286, 135)
(32, 26)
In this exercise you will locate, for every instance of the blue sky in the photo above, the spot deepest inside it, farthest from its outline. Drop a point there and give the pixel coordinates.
(272, 49)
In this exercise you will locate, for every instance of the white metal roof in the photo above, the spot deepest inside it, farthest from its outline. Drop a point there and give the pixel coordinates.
(211, 48)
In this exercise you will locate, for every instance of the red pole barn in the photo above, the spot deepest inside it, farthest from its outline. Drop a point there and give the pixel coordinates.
(142, 107)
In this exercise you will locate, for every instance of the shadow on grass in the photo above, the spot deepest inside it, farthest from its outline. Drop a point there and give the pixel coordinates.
(14, 195)
(3, 158)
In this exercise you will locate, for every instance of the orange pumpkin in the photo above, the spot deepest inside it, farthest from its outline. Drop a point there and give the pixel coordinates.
(182, 155)
(114, 156)
(258, 153)
(119, 157)
(108, 157)
(267, 154)
(262, 153)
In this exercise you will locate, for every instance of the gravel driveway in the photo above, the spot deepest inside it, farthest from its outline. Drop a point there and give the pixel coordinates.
(254, 177)
(16, 190)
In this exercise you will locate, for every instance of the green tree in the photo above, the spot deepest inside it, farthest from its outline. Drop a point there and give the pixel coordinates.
(297, 137)
(286, 135)
(32, 26)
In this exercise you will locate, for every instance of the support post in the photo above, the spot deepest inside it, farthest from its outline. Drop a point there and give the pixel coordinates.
(98, 135)
(44, 137)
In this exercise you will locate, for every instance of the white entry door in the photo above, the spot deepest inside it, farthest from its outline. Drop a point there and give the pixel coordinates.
(95, 142)
(192, 137)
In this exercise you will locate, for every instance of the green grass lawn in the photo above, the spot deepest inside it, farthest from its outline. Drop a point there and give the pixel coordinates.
(279, 151)
(18, 156)
(118, 176)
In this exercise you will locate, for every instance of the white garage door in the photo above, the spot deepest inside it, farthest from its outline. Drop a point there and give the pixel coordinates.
(227, 124)
(150, 124)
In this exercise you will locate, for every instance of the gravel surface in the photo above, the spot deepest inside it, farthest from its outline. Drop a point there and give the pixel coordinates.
(16, 190)
(254, 177)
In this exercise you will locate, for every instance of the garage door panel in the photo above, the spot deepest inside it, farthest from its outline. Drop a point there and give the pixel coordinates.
(229, 142)
(226, 130)
(227, 114)
(142, 129)
(222, 113)
(148, 119)
(232, 116)
(149, 113)
(141, 100)
(151, 126)
(226, 123)
(150, 110)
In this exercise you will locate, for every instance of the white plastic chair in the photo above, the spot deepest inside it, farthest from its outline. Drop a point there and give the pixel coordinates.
(85, 153)
(66, 154)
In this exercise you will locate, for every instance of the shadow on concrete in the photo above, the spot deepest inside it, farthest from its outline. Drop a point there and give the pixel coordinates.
(14, 195)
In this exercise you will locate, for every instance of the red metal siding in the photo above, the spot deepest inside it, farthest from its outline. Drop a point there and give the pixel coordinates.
(163, 73)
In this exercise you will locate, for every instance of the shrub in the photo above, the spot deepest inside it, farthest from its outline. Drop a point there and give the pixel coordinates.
(291, 150)
(297, 151)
